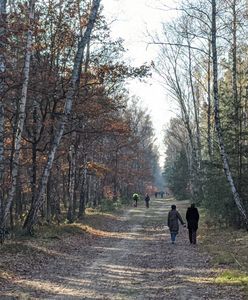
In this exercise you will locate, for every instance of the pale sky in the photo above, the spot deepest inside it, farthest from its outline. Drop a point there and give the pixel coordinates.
(133, 18)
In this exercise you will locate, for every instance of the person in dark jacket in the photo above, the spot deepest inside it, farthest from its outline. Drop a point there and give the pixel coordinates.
(192, 217)
(173, 224)
(147, 199)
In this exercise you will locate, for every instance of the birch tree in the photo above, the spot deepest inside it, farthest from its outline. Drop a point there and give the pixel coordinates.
(20, 114)
(32, 215)
(224, 157)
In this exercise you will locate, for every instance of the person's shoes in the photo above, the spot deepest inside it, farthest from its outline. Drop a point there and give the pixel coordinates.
(173, 242)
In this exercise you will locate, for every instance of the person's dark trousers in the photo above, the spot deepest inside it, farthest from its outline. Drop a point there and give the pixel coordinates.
(147, 204)
(173, 237)
(192, 236)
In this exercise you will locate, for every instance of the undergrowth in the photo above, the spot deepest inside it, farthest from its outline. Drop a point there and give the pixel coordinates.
(227, 248)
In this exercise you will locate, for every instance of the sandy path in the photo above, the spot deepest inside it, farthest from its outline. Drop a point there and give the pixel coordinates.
(140, 263)
(131, 258)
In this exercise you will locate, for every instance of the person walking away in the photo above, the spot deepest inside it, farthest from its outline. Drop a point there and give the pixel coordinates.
(135, 199)
(147, 199)
(192, 217)
(173, 222)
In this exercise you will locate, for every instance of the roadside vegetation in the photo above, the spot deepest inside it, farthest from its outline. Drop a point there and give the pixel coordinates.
(228, 250)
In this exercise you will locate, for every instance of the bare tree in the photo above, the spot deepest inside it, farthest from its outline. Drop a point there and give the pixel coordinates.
(175, 67)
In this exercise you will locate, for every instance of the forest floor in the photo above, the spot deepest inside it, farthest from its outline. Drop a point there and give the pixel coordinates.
(124, 256)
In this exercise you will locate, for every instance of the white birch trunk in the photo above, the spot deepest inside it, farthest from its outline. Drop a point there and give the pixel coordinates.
(198, 135)
(209, 139)
(226, 167)
(235, 94)
(32, 215)
(21, 115)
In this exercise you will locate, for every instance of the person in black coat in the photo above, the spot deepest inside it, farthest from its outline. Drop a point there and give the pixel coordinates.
(192, 217)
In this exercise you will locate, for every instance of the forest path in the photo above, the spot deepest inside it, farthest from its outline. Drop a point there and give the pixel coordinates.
(128, 257)
(141, 263)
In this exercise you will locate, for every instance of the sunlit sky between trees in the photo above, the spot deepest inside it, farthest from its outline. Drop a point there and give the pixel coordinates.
(134, 21)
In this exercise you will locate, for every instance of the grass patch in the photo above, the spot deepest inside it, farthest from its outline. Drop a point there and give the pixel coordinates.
(228, 249)
(58, 231)
(222, 258)
(226, 245)
(233, 277)
(49, 233)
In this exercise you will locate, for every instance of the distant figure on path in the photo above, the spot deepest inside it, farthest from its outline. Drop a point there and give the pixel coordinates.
(135, 199)
(173, 224)
(192, 217)
(147, 199)
(156, 194)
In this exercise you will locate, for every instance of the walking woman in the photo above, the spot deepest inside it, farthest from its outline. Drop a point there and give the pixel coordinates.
(173, 224)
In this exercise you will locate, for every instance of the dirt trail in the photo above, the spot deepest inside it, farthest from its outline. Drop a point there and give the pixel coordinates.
(143, 264)
(137, 261)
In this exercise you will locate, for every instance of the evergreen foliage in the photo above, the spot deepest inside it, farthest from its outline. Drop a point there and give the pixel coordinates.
(176, 174)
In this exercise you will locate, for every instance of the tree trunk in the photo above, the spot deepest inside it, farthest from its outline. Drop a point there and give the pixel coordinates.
(195, 104)
(2, 83)
(32, 215)
(82, 191)
(115, 181)
(186, 120)
(49, 199)
(224, 157)
(209, 112)
(71, 186)
(21, 115)
(18, 201)
(64, 195)
(34, 153)
(2, 89)
(236, 99)
(197, 156)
